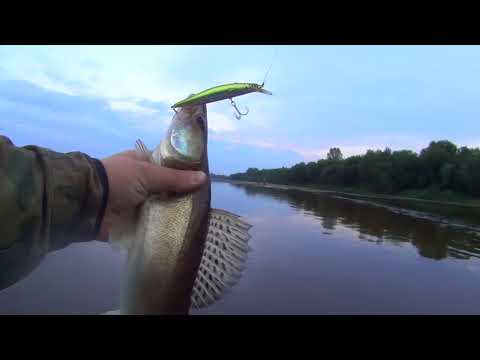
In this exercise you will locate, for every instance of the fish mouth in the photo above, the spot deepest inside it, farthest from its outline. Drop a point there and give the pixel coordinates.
(185, 143)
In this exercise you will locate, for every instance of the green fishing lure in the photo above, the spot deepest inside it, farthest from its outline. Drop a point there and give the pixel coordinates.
(222, 92)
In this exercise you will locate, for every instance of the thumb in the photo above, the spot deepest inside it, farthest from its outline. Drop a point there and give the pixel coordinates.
(158, 179)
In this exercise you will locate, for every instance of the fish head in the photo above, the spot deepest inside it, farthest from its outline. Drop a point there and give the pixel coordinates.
(185, 144)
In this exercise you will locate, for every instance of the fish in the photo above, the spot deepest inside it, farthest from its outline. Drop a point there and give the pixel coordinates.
(182, 254)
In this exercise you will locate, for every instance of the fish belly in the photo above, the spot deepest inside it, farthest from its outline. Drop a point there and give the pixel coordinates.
(161, 235)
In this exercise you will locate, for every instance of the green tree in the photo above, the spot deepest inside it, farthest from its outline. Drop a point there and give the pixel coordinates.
(434, 157)
(440, 165)
(335, 154)
(447, 171)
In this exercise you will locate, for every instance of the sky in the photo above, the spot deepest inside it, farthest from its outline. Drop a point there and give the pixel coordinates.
(100, 99)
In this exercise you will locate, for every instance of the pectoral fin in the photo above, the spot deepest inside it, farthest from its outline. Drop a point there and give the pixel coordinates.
(223, 259)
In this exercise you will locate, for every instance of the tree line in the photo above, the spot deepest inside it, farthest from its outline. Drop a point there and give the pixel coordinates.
(441, 166)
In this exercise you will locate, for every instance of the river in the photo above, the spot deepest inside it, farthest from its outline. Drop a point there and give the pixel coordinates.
(311, 254)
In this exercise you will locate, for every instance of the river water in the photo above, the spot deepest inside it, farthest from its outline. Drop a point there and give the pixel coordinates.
(311, 254)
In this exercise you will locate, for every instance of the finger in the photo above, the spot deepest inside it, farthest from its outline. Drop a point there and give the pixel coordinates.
(158, 179)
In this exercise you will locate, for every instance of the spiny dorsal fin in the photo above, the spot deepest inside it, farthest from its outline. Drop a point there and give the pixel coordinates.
(143, 150)
(223, 258)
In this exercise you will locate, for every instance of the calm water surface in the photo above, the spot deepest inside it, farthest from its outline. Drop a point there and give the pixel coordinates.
(311, 254)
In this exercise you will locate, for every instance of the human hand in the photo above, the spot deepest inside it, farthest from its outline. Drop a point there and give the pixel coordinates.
(132, 179)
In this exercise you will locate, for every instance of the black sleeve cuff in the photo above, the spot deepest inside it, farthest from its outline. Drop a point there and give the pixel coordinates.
(102, 174)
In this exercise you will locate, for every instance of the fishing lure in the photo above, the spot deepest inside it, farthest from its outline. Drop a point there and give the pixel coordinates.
(222, 92)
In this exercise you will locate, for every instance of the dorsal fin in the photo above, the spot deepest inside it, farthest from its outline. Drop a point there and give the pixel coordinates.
(143, 150)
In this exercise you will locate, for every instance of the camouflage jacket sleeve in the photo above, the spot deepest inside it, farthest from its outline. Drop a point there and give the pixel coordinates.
(47, 201)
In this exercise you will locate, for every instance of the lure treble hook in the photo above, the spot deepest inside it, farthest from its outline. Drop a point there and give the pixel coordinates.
(237, 110)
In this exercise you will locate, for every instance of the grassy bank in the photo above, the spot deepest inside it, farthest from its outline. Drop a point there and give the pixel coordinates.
(427, 195)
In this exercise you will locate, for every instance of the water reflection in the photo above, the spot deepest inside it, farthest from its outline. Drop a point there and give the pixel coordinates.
(430, 232)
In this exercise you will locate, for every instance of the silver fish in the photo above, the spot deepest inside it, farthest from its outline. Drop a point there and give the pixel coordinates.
(181, 252)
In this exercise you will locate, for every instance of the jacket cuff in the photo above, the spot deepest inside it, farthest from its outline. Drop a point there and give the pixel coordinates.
(102, 174)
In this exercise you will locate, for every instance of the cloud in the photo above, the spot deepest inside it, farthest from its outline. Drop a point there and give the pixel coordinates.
(220, 123)
(315, 153)
(228, 157)
(472, 144)
(32, 114)
(90, 64)
(311, 154)
(3, 73)
(361, 146)
(69, 86)
(143, 85)
(131, 107)
(353, 98)
(100, 71)
(157, 105)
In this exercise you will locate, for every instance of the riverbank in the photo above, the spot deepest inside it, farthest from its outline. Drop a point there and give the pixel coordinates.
(411, 195)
